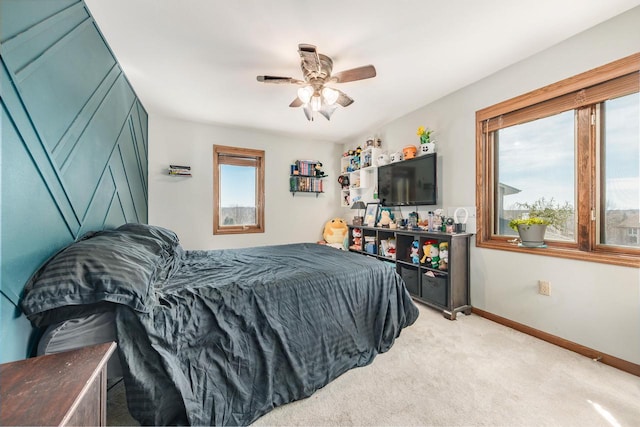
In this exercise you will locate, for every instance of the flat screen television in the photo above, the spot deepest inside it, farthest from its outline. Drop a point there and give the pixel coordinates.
(410, 182)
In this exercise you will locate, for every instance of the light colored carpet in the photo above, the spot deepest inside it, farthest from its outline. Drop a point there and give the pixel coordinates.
(468, 372)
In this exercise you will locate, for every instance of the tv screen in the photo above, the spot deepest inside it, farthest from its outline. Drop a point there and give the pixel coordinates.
(410, 182)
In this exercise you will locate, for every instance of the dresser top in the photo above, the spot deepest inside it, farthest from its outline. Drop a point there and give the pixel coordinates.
(44, 390)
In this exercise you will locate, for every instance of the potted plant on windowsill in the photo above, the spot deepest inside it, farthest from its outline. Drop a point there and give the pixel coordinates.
(531, 230)
(541, 213)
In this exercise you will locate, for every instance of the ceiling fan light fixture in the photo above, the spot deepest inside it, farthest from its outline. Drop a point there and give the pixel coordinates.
(305, 93)
(313, 96)
(307, 112)
(330, 96)
(327, 110)
(316, 103)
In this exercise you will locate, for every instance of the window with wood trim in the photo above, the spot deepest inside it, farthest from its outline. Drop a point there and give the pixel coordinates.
(238, 190)
(573, 147)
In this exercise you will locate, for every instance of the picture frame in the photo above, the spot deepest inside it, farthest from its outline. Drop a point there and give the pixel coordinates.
(371, 214)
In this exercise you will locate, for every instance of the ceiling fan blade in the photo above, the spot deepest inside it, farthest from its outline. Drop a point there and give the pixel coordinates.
(296, 103)
(344, 99)
(360, 73)
(309, 55)
(278, 80)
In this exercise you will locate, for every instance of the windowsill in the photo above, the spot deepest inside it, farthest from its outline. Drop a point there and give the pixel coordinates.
(557, 252)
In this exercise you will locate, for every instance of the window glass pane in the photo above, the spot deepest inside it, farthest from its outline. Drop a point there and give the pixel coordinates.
(535, 168)
(237, 195)
(620, 189)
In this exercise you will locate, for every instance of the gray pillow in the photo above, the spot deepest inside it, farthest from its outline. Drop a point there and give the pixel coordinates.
(117, 266)
(167, 238)
(152, 231)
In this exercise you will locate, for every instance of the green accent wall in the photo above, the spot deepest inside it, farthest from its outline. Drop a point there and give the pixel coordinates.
(74, 146)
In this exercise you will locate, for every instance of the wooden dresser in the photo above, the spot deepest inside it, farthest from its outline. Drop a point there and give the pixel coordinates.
(67, 388)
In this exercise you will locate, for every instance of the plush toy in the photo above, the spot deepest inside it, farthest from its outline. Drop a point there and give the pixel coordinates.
(434, 254)
(391, 251)
(444, 256)
(357, 239)
(335, 232)
(385, 218)
(426, 250)
(343, 180)
(415, 252)
(318, 170)
(409, 152)
(396, 157)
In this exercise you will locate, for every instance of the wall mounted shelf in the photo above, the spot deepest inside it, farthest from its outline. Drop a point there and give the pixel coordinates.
(306, 177)
(177, 170)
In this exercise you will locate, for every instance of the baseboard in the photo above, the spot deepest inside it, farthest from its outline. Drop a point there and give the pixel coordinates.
(607, 359)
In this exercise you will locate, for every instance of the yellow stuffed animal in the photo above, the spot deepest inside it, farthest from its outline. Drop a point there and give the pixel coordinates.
(335, 232)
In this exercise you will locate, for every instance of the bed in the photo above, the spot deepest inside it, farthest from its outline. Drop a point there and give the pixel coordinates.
(218, 337)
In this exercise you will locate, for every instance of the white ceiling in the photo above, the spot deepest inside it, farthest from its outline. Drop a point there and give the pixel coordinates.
(198, 59)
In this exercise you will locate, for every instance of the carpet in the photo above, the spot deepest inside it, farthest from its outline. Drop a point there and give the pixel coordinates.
(468, 372)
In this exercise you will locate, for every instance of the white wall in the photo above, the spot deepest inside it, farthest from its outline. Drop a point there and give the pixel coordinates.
(595, 305)
(185, 205)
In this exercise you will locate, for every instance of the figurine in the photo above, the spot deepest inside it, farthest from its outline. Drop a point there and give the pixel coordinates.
(444, 256)
(409, 152)
(415, 252)
(343, 180)
(434, 254)
(391, 252)
(357, 239)
(426, 249)
(318, 170)
(396, 157)
(385, 218)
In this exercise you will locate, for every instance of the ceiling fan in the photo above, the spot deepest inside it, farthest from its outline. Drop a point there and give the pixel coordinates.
(314, 94)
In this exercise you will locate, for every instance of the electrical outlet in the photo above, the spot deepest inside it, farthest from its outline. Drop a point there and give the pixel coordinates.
(544, 287)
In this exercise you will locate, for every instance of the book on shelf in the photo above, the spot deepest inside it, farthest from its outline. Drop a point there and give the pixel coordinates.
(305, 167)
(306, 184)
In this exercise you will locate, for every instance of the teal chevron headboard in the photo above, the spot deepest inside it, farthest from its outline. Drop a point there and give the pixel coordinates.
(74, 145)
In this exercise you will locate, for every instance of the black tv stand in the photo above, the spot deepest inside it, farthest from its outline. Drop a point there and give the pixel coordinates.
(446, 290)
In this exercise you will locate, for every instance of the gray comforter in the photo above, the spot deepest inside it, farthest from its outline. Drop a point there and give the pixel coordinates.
(235, 333)
(222, 337)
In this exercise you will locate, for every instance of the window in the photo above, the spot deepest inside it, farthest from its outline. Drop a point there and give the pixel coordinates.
(238, 185)
(571, 149)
